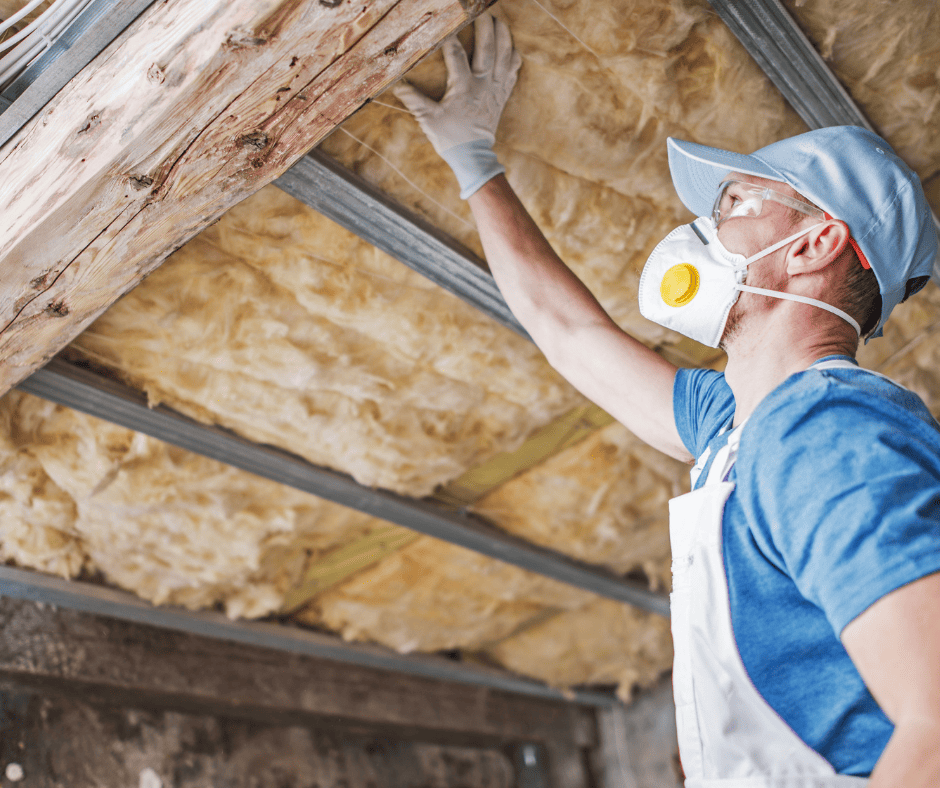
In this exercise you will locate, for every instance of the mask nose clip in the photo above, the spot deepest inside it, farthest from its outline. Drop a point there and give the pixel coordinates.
(699, 233)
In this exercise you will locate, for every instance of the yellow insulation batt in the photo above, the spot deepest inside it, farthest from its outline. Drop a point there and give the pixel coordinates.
(432, 595)
(603, 500)
(289, 330)
(584, 133)
(602, 643)
(77, 493)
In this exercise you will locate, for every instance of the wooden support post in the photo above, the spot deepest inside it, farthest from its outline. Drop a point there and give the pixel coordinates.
(638, 743)
(196, 105)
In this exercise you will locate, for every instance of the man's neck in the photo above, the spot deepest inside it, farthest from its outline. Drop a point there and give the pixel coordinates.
(759, 360)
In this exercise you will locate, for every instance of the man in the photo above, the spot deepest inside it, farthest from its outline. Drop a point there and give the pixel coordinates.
(806, 599)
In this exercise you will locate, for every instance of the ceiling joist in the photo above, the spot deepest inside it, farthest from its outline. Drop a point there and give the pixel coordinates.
(350, 201)
(785, 54)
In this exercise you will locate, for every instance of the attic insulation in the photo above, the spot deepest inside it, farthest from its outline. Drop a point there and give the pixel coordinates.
(603, 500)
(355, 362)
(887, 55)
(79, 494)
(285, 328)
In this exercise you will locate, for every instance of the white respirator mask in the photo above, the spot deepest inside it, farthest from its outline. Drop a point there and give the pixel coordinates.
(690, 282)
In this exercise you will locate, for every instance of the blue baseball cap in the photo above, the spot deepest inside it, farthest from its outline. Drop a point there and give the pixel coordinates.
(850, 173)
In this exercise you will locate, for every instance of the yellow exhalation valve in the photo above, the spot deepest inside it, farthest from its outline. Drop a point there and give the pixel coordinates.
(680, 284)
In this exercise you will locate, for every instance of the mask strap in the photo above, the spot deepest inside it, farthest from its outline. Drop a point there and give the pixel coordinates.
(777, 245)
(803, 300)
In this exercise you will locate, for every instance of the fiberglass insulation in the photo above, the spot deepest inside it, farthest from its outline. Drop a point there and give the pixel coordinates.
(289, 330)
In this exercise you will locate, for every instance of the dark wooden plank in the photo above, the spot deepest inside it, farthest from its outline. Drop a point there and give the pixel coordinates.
(65, 739)
(62, 648)
(90, 393)
(124, 606)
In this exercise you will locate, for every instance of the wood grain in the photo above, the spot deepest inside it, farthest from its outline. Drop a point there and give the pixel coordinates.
(195, 106)
(101, 657)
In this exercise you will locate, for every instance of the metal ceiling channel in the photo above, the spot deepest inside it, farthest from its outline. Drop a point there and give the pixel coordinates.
(103, 601)
(329, 188)
(786, 55)
(88, 35)
(97, 396)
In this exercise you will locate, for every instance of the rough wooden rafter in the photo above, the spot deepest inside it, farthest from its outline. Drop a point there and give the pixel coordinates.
(193, 107)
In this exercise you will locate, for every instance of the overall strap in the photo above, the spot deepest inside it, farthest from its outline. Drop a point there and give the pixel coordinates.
(725, 457)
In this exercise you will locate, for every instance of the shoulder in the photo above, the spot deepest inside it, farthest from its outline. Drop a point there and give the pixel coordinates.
(839, 477)
(702, 403)
(840, 406)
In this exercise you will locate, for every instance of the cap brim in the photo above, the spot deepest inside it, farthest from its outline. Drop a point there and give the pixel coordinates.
(697, 170)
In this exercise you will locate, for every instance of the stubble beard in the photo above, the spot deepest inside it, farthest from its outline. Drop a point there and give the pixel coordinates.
(736, 317)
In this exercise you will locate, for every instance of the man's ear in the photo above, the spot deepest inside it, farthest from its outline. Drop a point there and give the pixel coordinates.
(818, 248)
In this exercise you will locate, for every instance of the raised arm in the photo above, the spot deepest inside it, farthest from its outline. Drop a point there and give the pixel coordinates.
(630, 381)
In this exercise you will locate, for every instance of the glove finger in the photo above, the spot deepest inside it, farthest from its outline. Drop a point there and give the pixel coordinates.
(507, 59)
(416, 102)
(483, 45)
(458, 70)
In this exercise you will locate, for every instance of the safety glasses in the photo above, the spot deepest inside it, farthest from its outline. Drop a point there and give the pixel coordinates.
(737, 198)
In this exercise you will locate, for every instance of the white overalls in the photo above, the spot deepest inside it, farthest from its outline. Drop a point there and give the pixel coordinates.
(729, 736)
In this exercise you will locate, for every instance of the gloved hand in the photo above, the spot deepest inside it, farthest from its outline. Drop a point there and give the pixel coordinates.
(462, 125)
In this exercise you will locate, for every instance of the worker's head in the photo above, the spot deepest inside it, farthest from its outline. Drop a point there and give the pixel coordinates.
(855, 200)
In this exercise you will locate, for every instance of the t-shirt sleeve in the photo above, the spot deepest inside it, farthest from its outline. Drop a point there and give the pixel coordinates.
(842, 489)
(702, 403)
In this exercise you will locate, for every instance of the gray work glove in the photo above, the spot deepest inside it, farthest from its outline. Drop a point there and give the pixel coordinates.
(462, 125)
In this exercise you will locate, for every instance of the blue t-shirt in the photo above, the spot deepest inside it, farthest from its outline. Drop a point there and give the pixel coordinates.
(837, 503)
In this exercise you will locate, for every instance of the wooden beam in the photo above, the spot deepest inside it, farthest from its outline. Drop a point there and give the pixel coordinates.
(191, 672)
(196, 105)
(84, 391)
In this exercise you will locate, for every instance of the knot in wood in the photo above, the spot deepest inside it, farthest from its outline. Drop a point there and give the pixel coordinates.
(42, 282)
(93, 121)
(58, 308)
(391, 51)
(257, 140)
(156, 74)
(331, 3)
(242, 39)
(140, 181)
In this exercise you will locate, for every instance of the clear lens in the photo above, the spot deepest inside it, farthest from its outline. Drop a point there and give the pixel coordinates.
(736, 199)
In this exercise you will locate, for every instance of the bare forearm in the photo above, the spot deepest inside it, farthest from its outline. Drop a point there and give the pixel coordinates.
(622, 375)
(540, 289)
(912, 757)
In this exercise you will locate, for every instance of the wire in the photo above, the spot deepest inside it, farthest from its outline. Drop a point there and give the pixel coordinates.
(6, 24)
(39, 36)
(569, 31)
(411, 182)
